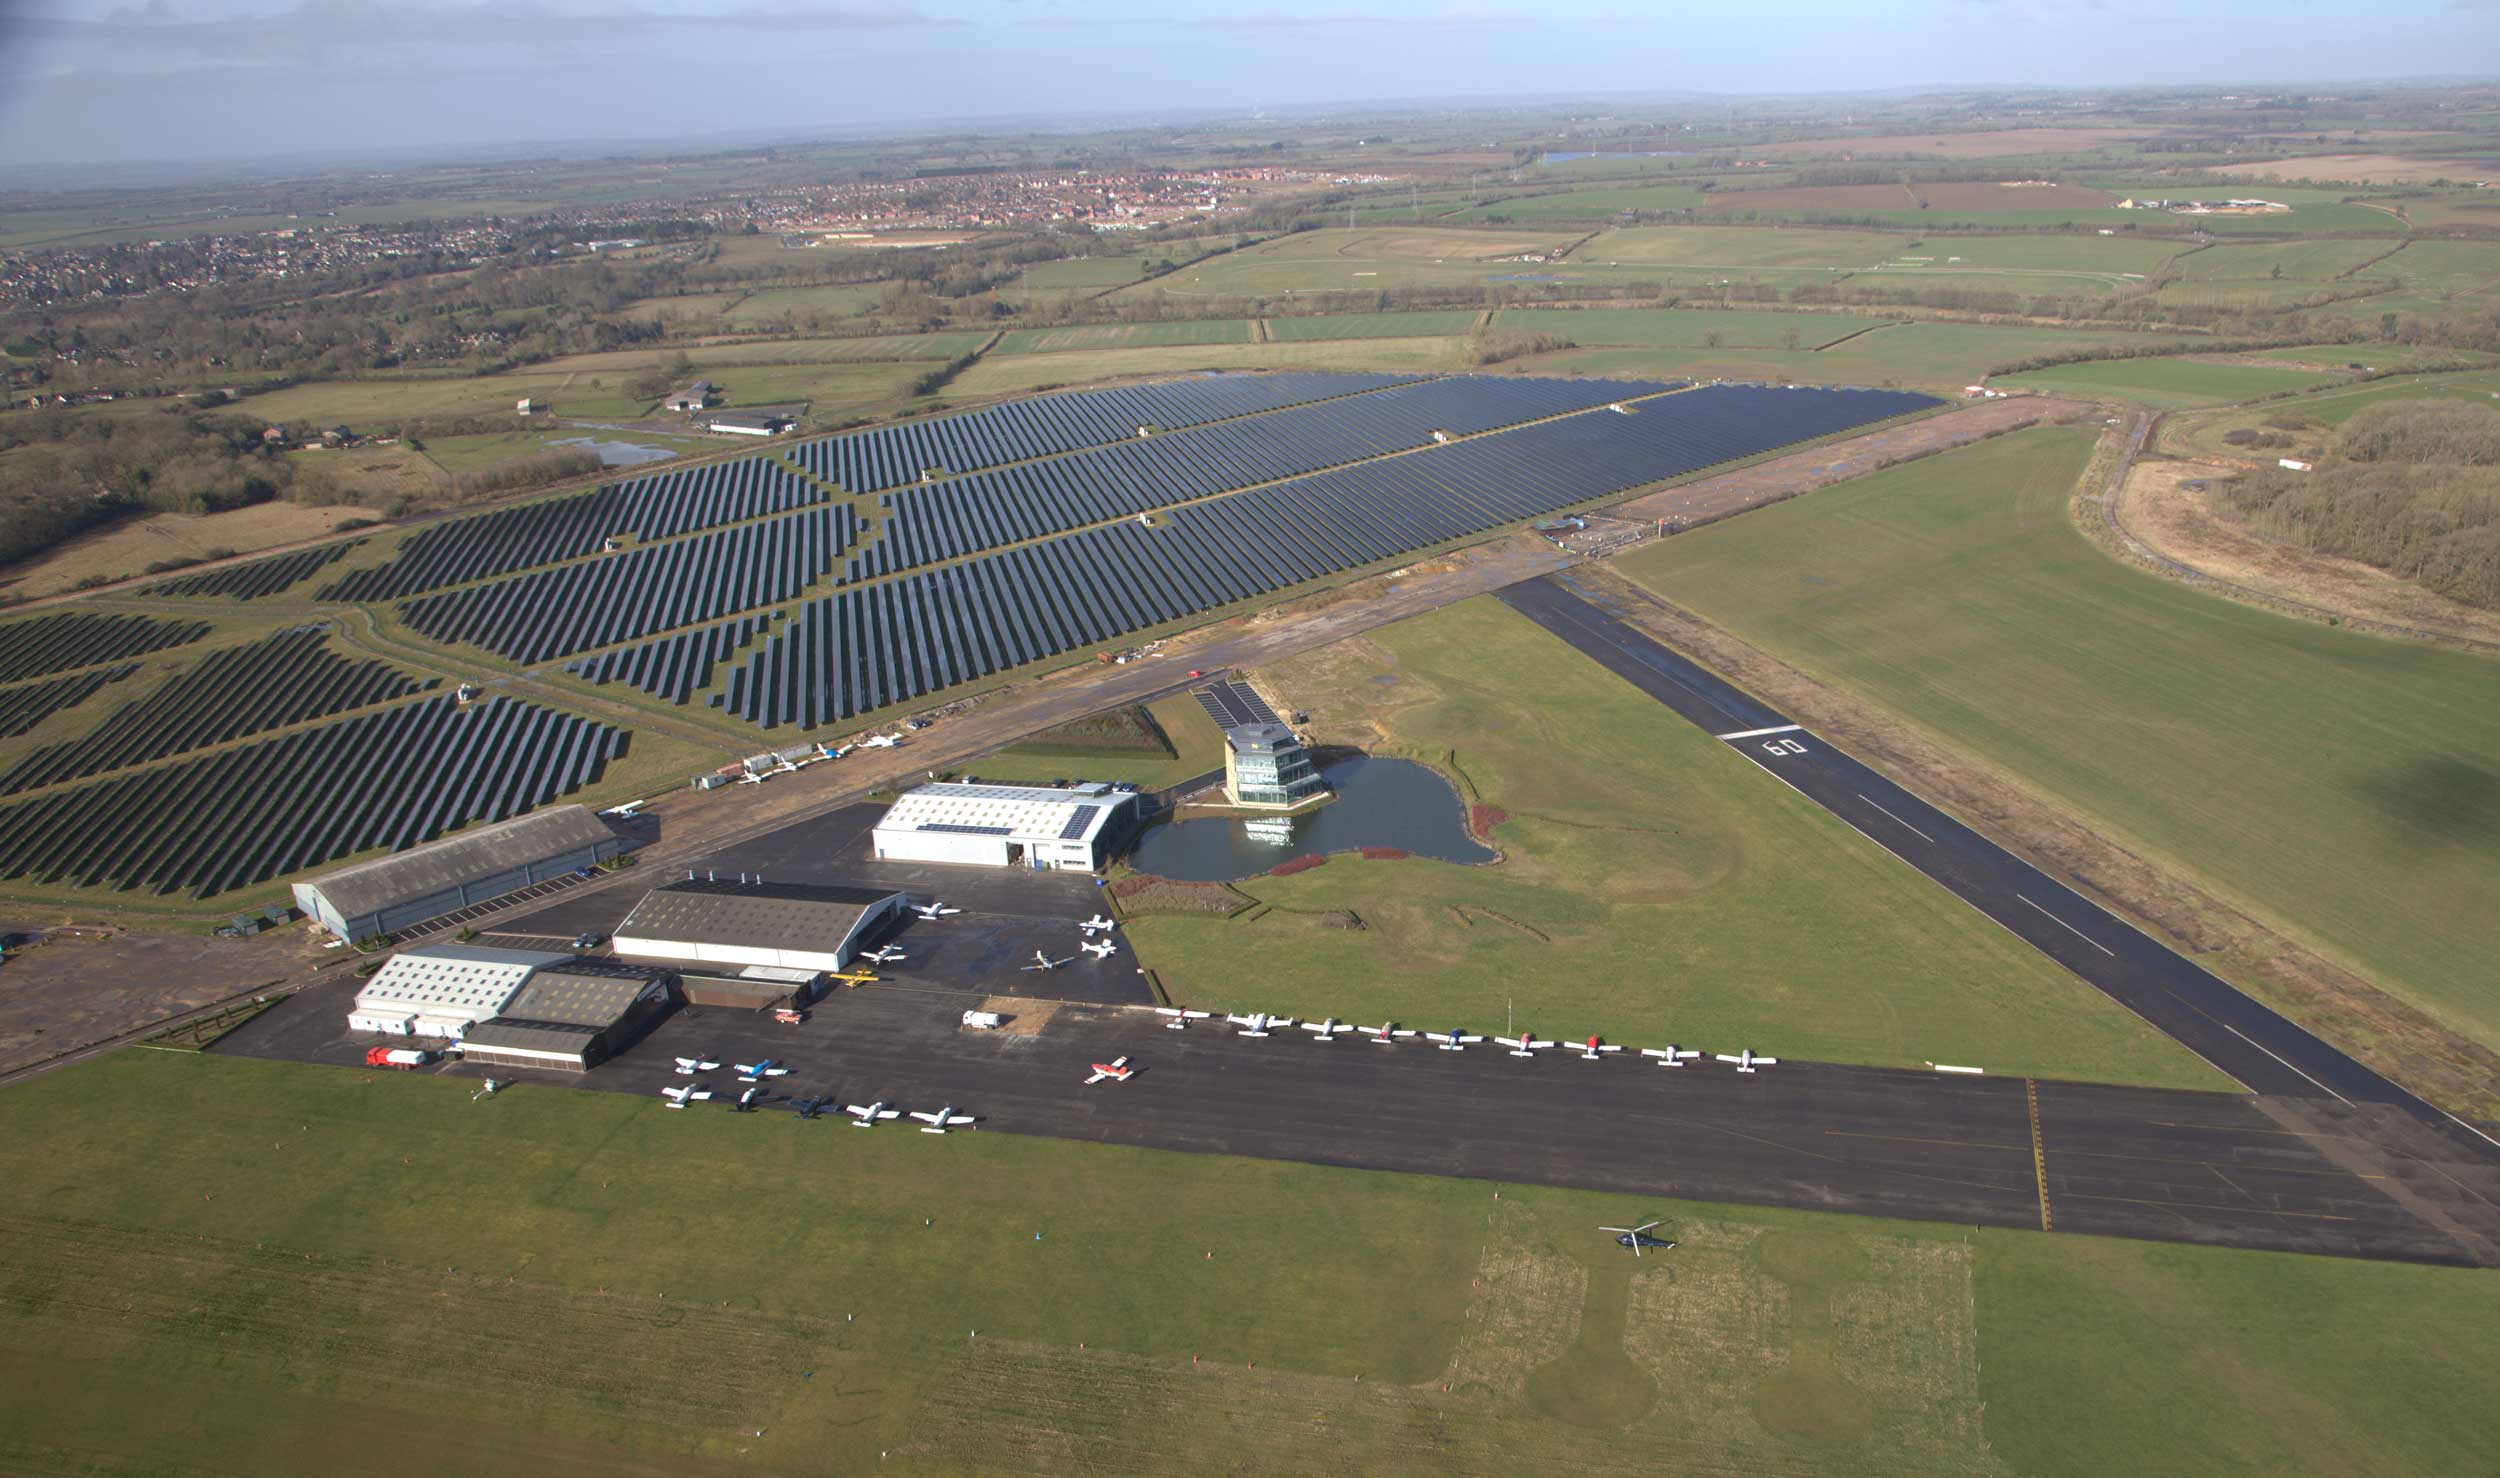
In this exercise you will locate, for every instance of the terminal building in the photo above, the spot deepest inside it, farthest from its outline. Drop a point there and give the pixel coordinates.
(442, 990)
(1074, 828)
(806, 927)
(1267, 766)
(405, 889)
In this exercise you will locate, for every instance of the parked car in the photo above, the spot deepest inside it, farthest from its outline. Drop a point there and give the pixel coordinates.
(588, 941)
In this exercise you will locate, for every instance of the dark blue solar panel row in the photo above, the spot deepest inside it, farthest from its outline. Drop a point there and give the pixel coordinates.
(390, 778)
(23, 708)
(863, 649)
(654, 507)
(1078, 819)
(890, 456)
(619, 597)
(674, 666)
(50, 644)
(260, 577)
(964, 515)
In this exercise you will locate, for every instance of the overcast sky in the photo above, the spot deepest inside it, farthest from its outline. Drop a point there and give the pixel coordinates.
(185, 79)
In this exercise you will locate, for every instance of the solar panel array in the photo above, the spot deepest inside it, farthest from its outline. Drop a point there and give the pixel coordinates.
(1079, 819)
(390, 778)
(50, 644)
(620, 597)
(23, 708)
(889, 456)
(1234, 704)
(964, 515)
(260, 577)
(862, 649)
(655, 507)
(286, 679)
(674, 666)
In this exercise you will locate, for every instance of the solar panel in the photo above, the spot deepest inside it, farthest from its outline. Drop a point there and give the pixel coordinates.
(963, 829)
(1079, 822)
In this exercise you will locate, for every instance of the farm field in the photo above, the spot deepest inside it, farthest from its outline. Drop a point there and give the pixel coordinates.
(1930, 355)
(2335, 784)
(254, 1267)
(1582, 205)
(2104, 256)
(1015, 374)
(457, 454)
(1685, 327)
(127, 549)
(1739, 250)
(825, 387)
(2200, 433)
(1124, 336)
(1360, 260)
(363, 402)
(1074, 274)
(1422, 324)
(944, 344)
(2258, 294)
(2308, 261)
(2165, 384)
(837, 300)
(1652, 883)
(2466, 267)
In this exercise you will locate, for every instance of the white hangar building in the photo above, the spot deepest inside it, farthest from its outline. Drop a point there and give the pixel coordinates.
(1049, 827)
(789, 926)
(441, 990)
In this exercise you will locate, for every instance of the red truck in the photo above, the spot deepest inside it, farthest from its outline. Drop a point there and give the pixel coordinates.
(401, 1059)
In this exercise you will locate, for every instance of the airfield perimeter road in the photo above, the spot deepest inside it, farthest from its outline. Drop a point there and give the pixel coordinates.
(2313, 1175)
(2263, 1050)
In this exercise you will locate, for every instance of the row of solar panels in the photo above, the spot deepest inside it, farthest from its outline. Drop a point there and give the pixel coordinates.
(1234, 704)
(674, 666)
(573, 608)
(986, 510)
(386, 779)
(260, 577)
(50, 644)
(21, 708)
(861, 650)
(890, 456)
(656, 507)
(284, 679)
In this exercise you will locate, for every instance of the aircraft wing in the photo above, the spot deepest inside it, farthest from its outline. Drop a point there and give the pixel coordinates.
(1466, 1039)
(700, 1093)
(928, 1118)
(1766, 1062)
(959, 1119)
(1723, 1057)
(1242, 1020)
(1519, 1042)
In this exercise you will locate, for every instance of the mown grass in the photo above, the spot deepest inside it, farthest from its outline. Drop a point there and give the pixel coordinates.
(2340, 786)
(1124, 336)
(1685, 327)
(1196, 744)
(1013, 374)
(2169, 384)
(1422, 323)
(1653, 884)
(226, 1265)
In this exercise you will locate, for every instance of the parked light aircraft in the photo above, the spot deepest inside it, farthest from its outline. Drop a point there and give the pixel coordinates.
(1746, 1062)
(1329, 1030)
(1098, 925)
(887, 955)
(1044, 962)
(751, 778)
(677, 1096)
(811, 1108)
(747, 1100)
(933, 910)
(1594, 1045)
(1102, 951)
(756, 1072)
(1180, 1018)
(1670, 1055)
(1451, 1040)
(1637, 1237)
(866, 1115)
(687, 1067)
(1257, 1023)
(879, 741)
(1522, 1045)
(1386, 1032)
(939, 1122)
(1117, 1070)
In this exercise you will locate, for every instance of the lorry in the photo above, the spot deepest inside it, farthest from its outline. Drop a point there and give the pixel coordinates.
(399, 1059)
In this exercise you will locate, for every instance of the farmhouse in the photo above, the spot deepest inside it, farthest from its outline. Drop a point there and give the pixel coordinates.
(694, 397)
(790, 926)
(403, 890)
(1047, 827)
(571, 1017)
(443, 990)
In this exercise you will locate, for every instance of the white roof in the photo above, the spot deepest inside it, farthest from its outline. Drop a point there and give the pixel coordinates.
(452, 980)
(1047, 814)
(779, 974)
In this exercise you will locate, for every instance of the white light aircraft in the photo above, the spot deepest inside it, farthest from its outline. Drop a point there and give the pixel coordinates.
(1451, 1040)
(1746, 1062)
(1522, 1045)
(1044, 962)
(756, 1072)
(1102, 951)
(1117, 1070)
(1180, 1019)
(933, 910)
(678, 1096)
(1594, 1045)
(1098, 925)
(1329, 1030)
(939, 1122)
(1670, 1055)
(866, 1115)
(747, 1100)
(1388, 1031)
(888, 955)
(1258, 1023)
(752, 779)
(880, 741)
(687, 1067)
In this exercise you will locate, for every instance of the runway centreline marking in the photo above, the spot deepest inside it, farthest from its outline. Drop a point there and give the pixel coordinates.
(2113, 954)
(2039, 1161)
(1887, 810)
(2270, 1052)
(1758, 733)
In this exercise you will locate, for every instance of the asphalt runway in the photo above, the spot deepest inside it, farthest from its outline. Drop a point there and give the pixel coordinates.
(2307, 1175)
(2262, 1050)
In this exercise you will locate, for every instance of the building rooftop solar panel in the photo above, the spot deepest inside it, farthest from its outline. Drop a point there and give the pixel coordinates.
(1080, 821)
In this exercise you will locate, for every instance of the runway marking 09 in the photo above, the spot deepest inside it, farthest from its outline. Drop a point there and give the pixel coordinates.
(2039, 1161)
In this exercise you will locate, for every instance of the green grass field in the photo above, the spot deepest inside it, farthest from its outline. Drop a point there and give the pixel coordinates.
(836, 300)
(1685, 327)
(1935, 356)
(2467, 267)
(1583, 205)
(2341, 786)
(1016, 373)
(1360, 260)
(1652, 883)
(1198, 748)
(2308, 261)
(219, 1265)
(2165, 384)
(1422, 324)
(466, 453)
(1739, 250)
(1124, 336)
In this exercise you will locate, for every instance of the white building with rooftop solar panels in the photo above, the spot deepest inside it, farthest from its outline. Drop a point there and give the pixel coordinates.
(1077, 828)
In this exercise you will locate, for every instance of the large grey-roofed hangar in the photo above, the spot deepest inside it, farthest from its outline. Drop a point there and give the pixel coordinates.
(731, 921)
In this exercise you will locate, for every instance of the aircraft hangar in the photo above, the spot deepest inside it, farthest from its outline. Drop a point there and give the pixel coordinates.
(1044, 827)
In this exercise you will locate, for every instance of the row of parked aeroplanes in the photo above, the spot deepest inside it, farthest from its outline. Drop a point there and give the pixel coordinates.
(756, 1074)
(1594, 1049)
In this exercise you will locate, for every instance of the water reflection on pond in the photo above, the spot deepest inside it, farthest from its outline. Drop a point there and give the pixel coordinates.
(618, 453)
(1380, 803)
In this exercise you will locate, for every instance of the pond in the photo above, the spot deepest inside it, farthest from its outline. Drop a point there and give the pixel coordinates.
(1380, 803)
(618, 453)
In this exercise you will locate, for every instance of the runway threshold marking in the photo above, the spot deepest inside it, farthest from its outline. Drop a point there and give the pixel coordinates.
(1760, 733)
(2086, 938)
(1880, 806)
(2039, 1161)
